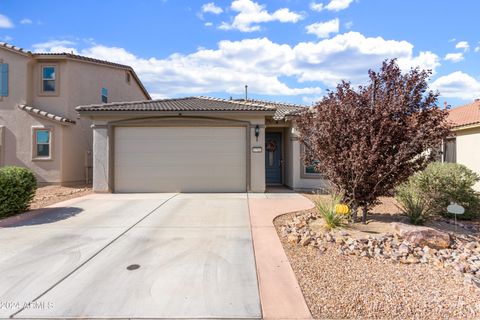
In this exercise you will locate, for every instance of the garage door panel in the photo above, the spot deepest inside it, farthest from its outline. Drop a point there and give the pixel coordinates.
(188, 159)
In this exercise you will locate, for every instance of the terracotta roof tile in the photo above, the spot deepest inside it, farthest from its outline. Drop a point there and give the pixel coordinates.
(196, 104)
(177, 104)
(465, 115)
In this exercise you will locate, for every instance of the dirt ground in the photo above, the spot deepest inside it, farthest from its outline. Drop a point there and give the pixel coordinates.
(49, 195)
(388, 211)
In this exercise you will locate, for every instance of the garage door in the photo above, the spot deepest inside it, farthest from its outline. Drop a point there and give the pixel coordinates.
(180, 159)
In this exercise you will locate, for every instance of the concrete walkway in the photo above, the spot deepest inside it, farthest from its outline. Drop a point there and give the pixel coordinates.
(280, 294)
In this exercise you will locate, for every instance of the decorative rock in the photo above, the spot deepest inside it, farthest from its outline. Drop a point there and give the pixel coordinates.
(305, 241)
(428, 237)
(293, 238)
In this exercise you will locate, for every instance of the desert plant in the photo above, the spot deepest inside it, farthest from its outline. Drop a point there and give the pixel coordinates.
(443, 183)
(371, 138)
(413, 205)
(17, 189)
(327, 210)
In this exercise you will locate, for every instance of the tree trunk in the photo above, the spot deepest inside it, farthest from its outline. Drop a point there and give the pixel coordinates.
(364, 215)
(354, 212)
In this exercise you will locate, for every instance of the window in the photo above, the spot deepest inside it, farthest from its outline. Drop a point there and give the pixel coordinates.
(104, 95)
(312, 168)
(43, 143)
(49, 79)
(3, 80)
(450, 150)
(127, 77)
(309, 171)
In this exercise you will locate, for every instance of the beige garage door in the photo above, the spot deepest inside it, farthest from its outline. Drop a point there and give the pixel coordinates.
(180, 159)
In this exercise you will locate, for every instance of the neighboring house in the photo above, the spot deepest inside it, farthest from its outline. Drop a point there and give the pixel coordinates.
(39, 127)
(196, 144)
(464, 147)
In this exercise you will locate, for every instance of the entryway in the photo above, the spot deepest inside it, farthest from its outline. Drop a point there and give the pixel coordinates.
(273, 158)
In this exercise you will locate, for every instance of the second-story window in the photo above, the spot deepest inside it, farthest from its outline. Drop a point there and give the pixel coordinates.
(3, 80)
(49, 78)
(104, 95)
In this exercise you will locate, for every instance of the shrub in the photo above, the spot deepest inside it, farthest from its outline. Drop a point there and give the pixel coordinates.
(443, 183)
(17, 189)
(327, 210)
(414, 206)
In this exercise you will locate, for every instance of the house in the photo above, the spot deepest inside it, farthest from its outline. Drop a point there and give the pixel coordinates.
(39, 127)
(464, 147)
(196, 144)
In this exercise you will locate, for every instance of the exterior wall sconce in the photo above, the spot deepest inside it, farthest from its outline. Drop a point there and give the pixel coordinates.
(257, 131)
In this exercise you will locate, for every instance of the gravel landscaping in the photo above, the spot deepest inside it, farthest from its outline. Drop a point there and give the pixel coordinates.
(49, 195)
(338, 282)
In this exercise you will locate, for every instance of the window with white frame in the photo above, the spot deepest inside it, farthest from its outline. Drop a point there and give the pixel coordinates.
(104, 94)
(42, 143)
(49, 79)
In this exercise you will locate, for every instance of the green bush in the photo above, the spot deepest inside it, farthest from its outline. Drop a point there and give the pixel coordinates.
(328, 212)
(414, 206)
(442, 183)
(17, 189)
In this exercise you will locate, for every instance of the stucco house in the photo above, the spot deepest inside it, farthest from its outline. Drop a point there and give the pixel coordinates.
(39, 127)
(464, 146)
(196, 144)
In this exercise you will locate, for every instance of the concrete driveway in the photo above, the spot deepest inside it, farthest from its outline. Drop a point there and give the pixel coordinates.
(191, 256)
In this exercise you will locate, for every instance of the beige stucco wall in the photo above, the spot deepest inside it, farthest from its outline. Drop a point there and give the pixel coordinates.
(78, 83)
(293, 166)
(103, 140)
(468, 149)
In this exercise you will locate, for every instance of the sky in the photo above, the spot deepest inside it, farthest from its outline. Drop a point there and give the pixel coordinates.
(284, 50)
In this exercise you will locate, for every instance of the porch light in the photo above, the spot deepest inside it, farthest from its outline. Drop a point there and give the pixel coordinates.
(257, 131)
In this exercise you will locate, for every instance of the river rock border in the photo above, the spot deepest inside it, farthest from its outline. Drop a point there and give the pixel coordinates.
(462, 255)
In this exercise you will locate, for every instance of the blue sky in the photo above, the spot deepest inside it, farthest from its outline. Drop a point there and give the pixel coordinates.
(285, 50)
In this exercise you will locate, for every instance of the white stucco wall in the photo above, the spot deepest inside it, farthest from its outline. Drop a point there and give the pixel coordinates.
(468, 149)
(293, 168)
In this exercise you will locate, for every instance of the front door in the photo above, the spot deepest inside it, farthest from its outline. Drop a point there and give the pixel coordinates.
(273, 157)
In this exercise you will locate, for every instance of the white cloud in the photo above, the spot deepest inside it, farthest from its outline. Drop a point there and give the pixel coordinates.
(6, 38)
(463, 45)
(5, 22)
(337, 5)
(348, 56)
(316, 6)
(458, 85)
(349, 25)
(26, 21)
(208, 24)
(454, 57)
(211, 8)
(324, 29)
(477, 49)
(269, 68)
(55, 46)
(250, 14)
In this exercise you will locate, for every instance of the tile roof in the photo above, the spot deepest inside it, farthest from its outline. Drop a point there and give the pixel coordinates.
(46, 115)
(75, 57)
(282, 109)
(196, 104)
(465, 115)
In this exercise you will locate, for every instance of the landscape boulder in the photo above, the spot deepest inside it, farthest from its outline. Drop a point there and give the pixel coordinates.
(423, 236)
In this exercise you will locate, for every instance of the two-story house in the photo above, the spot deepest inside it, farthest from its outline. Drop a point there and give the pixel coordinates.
(39, 127)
